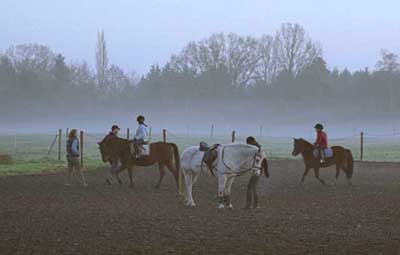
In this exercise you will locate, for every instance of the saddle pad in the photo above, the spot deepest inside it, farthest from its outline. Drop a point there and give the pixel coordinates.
(146, 149)
(328, 153)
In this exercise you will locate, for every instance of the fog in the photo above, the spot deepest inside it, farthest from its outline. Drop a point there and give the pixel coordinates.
(186, 66)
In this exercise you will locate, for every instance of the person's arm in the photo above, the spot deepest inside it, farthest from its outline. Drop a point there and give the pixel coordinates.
(318, 140)
(75, 147)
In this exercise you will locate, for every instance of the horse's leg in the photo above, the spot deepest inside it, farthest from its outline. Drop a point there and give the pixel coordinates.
(255, 195)
(221, 190)
(304, 174)
(118, 170)
(228, 191)
(249, 193)
(188, 184)
(162, 173)
(193, 178)
(337, 172)
(174, 171)
(316, 171)
(131, 185)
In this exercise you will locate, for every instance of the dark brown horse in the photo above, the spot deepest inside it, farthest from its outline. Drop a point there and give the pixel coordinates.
(165, 154)
(342, 158)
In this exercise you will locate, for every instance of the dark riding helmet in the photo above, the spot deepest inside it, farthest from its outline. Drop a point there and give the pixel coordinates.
(319, 126)
(251, 140)
(140, 118)
(115, 127)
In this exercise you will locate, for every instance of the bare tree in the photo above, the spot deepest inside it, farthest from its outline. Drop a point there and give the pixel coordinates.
(243, 59)
(294, 49)
(389, 62)
(101, 59)
(266, 70)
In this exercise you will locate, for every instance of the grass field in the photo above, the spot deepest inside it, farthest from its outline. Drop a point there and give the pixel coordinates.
(30, 152)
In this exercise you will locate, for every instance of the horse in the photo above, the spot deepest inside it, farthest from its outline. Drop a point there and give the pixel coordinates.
(247, 158)
(342, 158)
(165, 154)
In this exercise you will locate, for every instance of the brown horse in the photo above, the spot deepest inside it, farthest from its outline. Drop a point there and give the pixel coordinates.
(342, 158)
(165, 154)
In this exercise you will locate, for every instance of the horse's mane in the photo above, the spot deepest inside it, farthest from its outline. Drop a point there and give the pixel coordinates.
(306, 143)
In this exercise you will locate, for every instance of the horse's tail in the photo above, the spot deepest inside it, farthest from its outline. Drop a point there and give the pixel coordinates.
(349, 164)
(177, 159)
(264, 166)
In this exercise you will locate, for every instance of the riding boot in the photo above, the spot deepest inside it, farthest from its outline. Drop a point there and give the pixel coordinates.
(255, 200)
(322, 156)
(228, 201)
(248, 198)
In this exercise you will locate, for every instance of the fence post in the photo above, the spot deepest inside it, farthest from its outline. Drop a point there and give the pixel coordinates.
(212, 130)
(127, 133)
(233, 136)
(59, 144)
(52, 145)
(261, 130)
(164, 134)
(67, 133)
(15, 145)
(149, 134)
(361, 145)
(81, 148)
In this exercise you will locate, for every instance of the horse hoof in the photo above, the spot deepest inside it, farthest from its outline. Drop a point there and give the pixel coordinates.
(221, 206)
(230, 206)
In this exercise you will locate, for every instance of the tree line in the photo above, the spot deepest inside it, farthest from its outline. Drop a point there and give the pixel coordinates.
(285, 71)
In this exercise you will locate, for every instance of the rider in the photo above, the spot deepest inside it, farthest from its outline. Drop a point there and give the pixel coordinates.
(140, 136)
(321, 143)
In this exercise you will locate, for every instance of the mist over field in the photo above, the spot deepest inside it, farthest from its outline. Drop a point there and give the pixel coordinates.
(278, 77)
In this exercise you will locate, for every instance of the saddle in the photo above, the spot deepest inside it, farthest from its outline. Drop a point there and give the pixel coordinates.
(328, 152)
(208, 158)
(140, 150)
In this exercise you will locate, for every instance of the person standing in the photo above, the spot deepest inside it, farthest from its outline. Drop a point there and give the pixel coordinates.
(114, 162)
(73, 157)
(254, 180)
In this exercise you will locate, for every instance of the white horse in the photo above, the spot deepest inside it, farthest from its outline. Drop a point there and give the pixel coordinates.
(228, 161)
(191, 167)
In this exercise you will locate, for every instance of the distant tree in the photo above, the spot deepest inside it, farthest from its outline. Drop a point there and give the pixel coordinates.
(101, 59)
(266, 70)
(31, 56)
(389, 62)
(60, 70)
(293, 48)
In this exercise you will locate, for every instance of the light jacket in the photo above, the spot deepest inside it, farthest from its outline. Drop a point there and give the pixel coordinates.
(141, 132)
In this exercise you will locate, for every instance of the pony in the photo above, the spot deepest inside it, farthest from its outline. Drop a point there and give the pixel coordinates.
(165, 154)
(225, 162)
(342, 158)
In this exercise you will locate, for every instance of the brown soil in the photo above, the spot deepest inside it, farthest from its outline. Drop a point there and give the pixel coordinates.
(39, 215)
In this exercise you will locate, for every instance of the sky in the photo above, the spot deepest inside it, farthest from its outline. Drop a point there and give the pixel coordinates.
(142, 33)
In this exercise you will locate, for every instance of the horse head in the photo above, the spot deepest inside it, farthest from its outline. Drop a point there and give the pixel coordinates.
(105, 155)
(300, 145)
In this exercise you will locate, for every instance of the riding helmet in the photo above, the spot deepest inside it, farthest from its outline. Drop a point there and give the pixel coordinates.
(115, 127)
(140, 118)
(319, 126)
